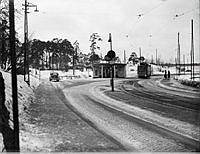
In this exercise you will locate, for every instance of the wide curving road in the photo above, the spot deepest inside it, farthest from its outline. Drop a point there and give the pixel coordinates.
(138, 113)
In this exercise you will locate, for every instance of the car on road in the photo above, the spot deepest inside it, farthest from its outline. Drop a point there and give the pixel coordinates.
(54, 77)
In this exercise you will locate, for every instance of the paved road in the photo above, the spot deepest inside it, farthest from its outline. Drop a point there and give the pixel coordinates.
(138, 129)
(51, 125)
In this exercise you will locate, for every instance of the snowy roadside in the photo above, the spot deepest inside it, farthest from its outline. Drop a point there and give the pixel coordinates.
(25, 96)
(53, 126)
(186, 80)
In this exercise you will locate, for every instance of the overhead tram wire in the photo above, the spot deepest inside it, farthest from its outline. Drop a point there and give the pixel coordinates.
(186, 12)
(150, 10)
(142, 14)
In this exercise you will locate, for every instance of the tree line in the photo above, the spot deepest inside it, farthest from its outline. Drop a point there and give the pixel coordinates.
(54, 54)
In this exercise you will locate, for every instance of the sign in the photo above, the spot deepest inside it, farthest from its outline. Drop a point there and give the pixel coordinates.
(111, 54)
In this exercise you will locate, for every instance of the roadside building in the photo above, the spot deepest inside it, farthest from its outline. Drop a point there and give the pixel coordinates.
(103, 70)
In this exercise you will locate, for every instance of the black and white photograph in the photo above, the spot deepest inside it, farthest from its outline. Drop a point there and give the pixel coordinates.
(99, 76)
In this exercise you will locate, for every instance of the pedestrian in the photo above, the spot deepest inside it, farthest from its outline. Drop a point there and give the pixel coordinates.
(168, 74)
(165, 75)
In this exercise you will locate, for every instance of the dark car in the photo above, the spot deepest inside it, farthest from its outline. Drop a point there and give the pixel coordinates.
(54, 77)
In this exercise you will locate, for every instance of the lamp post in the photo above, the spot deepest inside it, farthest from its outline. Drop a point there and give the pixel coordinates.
(26, 53)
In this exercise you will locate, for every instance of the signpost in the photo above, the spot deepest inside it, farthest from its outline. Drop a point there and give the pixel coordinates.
(111, 58)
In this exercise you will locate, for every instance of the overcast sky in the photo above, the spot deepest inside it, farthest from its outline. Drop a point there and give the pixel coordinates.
(156, 28)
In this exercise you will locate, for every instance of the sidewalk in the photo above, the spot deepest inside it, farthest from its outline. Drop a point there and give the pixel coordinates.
(51, 126)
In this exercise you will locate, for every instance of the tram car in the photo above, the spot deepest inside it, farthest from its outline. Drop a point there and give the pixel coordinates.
(144, 70)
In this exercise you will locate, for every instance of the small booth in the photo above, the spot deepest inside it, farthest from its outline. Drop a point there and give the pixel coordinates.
(104, 70)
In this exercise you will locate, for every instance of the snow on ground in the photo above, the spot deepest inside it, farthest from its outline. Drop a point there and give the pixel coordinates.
(24, 91)
(169, 123)
(25, 94)
(187, 77)
(187, 80)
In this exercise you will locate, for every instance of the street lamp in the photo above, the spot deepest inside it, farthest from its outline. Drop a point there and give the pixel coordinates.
(26, 53)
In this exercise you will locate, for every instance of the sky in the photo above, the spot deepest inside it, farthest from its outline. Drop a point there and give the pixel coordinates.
(155, 28)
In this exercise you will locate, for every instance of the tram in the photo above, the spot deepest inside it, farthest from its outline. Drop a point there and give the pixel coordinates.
(144, 70)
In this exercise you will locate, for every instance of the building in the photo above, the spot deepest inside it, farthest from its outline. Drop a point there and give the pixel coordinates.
(104, 70)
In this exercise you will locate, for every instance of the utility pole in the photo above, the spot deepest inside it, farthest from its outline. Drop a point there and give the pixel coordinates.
(26, 52)
(178, 56)
(192, 52)
(152, 59)
(140, 54)
(156, 57)
(124, 57)
(176, 64)
(184, 62)
(14, 76)
(26, 78)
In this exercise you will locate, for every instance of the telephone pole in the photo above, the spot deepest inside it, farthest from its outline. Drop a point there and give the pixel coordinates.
(14, 76)
(26, 52)
(184, 62)
(156, 57)
(178, 56)
(192, 52)
(124, 57)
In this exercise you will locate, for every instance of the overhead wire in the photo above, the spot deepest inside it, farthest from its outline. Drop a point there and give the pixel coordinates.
(142, 14)
(186, 12)
(150, 10)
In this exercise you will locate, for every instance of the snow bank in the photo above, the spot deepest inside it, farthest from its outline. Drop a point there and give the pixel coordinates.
(186, 80)
(24, 91)
(25, 95)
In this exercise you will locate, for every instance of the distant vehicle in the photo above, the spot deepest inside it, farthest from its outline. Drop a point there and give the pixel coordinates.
(54, 77)
(144, 70)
